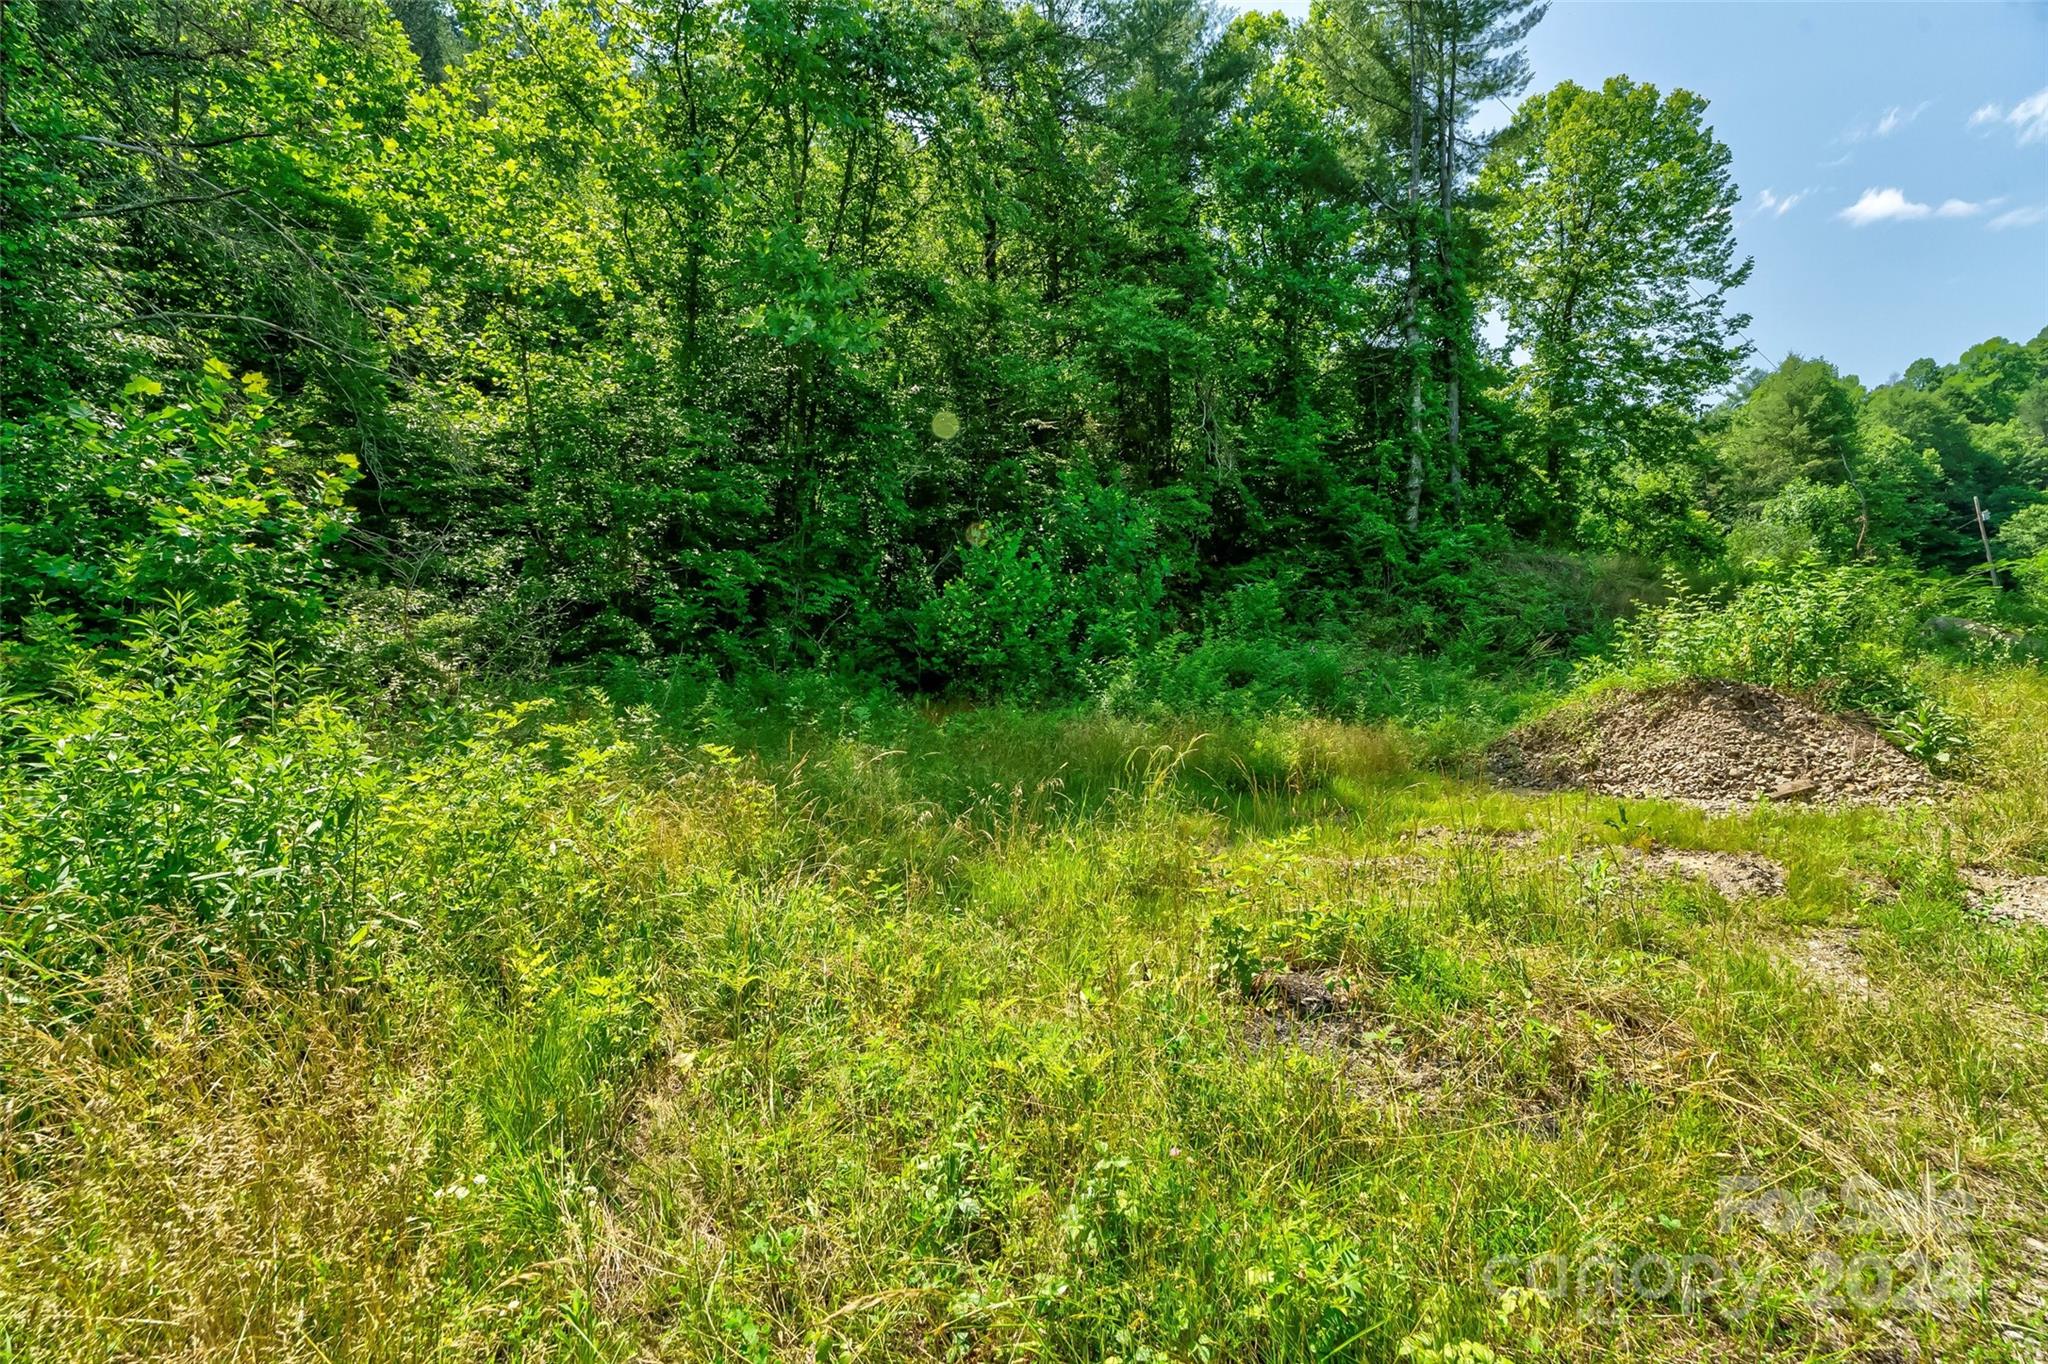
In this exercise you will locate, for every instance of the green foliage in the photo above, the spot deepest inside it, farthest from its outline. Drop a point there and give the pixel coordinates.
(1901, 493)
(640, 319)
(724, 332)
(1485, 603)
(1654, 509)
(1838, 636)
(193, 801)
(1036, 613)
(1986, 385)
(1801, 522)
(1809, 465)
(1798, 425)
(177, 181)
(192, 493)
(1610, 219)
(2025, 533)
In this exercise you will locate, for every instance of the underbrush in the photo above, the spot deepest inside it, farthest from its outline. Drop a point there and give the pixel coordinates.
(785, 1019)
(1221, 687)
(1845, 638)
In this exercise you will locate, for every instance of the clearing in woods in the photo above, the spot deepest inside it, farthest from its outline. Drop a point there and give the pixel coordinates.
(988, 1035)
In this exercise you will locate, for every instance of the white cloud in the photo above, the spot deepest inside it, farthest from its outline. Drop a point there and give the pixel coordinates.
(2019, 217)
(1896, 118)
(1966, 208)
(1880, 205)
(1770, 203)
(1889, 122)
(2028, 119)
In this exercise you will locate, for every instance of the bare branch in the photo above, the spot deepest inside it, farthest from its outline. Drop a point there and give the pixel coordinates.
(144, 205)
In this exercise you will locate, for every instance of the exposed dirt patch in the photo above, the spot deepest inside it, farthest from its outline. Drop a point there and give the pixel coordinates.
(1443, 836)
(2008, 899)
(1618, 1036)
(1831, 957)
(1374, 1062)
(1737, 876)
(1589, 1040)
(1716, 744)
(1306, 1011)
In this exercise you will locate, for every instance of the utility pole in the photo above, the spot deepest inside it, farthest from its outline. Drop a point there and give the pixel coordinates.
(1990, 566)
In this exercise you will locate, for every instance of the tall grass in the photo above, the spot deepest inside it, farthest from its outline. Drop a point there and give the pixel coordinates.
(600, 1033)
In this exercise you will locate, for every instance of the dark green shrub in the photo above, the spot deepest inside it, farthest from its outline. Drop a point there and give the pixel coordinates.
(192, 493)
(1036, 610)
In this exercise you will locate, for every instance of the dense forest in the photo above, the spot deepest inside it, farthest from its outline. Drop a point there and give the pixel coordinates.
(1068, 681)
(966, 346)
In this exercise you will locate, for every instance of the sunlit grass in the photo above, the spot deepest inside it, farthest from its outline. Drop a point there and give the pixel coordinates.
(934, 1042)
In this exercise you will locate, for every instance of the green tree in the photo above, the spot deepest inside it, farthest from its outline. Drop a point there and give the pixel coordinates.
(1609, 213)
(1373, 56)
(172, 186)
(1476, 58)
(1799, 423)
(1962, 458)
(1985, 386)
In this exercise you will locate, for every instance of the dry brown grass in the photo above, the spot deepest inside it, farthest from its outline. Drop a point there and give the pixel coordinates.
(189, 1180)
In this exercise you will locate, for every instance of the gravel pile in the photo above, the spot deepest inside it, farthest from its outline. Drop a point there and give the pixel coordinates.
(1717, 744)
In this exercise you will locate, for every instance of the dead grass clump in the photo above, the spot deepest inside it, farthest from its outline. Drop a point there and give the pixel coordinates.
(1607, 1036)
(211, 1182)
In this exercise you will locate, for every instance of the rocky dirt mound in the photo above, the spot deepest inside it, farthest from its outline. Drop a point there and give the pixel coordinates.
(1717, 744)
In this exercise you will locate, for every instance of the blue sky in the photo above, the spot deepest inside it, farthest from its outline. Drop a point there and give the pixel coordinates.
(1894, 171)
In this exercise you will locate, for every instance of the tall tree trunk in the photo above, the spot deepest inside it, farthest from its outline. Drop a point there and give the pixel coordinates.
(1453, 341)
(682, 67)
(1411, 320)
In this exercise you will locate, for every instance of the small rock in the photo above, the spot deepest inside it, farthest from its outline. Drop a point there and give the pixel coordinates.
(1975, 629)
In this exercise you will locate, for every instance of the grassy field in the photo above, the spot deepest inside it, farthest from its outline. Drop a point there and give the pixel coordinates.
(960, 1039)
